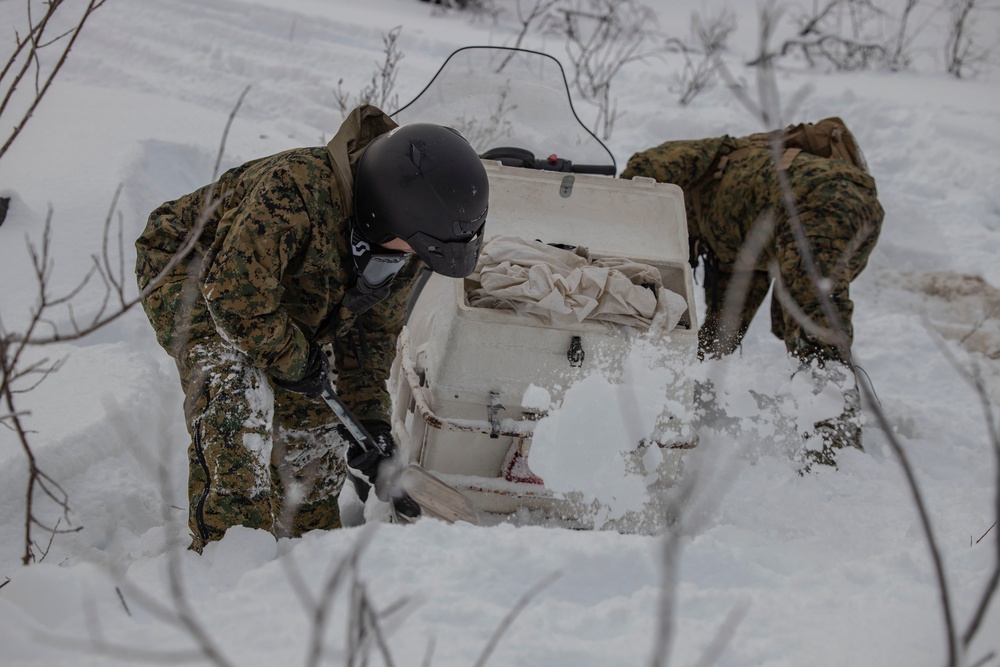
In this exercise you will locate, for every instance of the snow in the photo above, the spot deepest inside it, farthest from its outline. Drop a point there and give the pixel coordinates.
(828, 568)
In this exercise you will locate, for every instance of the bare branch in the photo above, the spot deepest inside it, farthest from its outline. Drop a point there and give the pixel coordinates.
(925, 522)
(723, 634)
(365, 627)
(539, 11)
(323, 605)
(380, 91)
(984, 660)
(975, 378)
(13, 345)
(848, 35)
(898, 59)
(961, 48)
(768, 110)
(602, 36)
(212, 204)
(844, 53)
(670, 556)
(710, 34)
(32, 56)
(512, 615)
(186, 617)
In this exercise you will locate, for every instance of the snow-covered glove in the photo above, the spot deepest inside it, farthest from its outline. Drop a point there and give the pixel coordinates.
(314, 378)
(364, 467)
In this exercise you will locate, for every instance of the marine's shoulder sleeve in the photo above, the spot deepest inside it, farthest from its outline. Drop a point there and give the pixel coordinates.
(682, 162)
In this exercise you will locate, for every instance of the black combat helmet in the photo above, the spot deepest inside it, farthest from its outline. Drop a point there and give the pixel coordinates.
(425, 184)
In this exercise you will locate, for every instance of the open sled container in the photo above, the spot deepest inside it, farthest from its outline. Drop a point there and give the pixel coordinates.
(461, 379)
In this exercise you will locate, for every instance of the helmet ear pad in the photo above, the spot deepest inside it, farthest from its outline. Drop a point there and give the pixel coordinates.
(425, 184)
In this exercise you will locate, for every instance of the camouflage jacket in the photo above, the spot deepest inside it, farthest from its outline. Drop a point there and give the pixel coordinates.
(274, 261)
(723, 207)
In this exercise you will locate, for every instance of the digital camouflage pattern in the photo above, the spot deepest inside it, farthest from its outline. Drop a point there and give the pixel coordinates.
(837, 204)
(265, 278)
(275, 460)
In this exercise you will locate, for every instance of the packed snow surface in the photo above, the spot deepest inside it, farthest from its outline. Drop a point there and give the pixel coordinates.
(827, 568)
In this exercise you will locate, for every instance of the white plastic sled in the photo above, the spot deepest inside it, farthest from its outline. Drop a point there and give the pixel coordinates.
(465, 373)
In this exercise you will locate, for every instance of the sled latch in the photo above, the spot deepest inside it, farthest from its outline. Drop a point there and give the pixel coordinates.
(575, 353)
(566, 187)
(494, 413)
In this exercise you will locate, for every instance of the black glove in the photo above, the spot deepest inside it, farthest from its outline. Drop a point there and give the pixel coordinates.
(314, 378)
(364, 466)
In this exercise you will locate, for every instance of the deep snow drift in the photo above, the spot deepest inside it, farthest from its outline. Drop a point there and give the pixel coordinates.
(830, 568)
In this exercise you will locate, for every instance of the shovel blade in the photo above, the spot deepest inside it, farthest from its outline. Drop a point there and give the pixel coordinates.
(437, 499)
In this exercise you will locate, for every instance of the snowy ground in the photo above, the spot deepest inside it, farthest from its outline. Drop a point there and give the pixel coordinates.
(827, 569)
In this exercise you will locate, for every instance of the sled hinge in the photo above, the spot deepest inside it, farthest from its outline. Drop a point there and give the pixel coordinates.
(494, 413)
(575, 353)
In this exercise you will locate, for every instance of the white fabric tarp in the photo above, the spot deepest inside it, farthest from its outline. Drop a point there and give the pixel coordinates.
(563, 287)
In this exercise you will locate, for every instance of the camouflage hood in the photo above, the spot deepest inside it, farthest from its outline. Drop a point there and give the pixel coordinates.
(357, 131)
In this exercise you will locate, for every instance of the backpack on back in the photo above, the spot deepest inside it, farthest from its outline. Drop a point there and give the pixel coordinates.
(827, 138)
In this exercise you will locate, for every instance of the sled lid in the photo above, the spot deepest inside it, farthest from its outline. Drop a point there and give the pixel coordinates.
(638, 219)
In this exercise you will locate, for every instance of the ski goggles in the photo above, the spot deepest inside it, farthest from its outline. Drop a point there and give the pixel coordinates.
(374, 269)
(380, 268)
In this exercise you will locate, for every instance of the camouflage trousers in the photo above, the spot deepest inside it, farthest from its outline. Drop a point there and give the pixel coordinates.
(259, 456)
(841, 231)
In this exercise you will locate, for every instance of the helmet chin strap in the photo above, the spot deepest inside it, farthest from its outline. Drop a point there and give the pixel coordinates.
(374, 273)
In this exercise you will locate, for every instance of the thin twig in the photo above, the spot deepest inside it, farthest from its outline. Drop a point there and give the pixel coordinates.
(212, 204)
(983, 660)
(512, 615)
(121, 598)
(925, 522)
(13, 346)
(92, 6)
(724, 633)
(769, 110)
(321, 608)
(975, 379)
